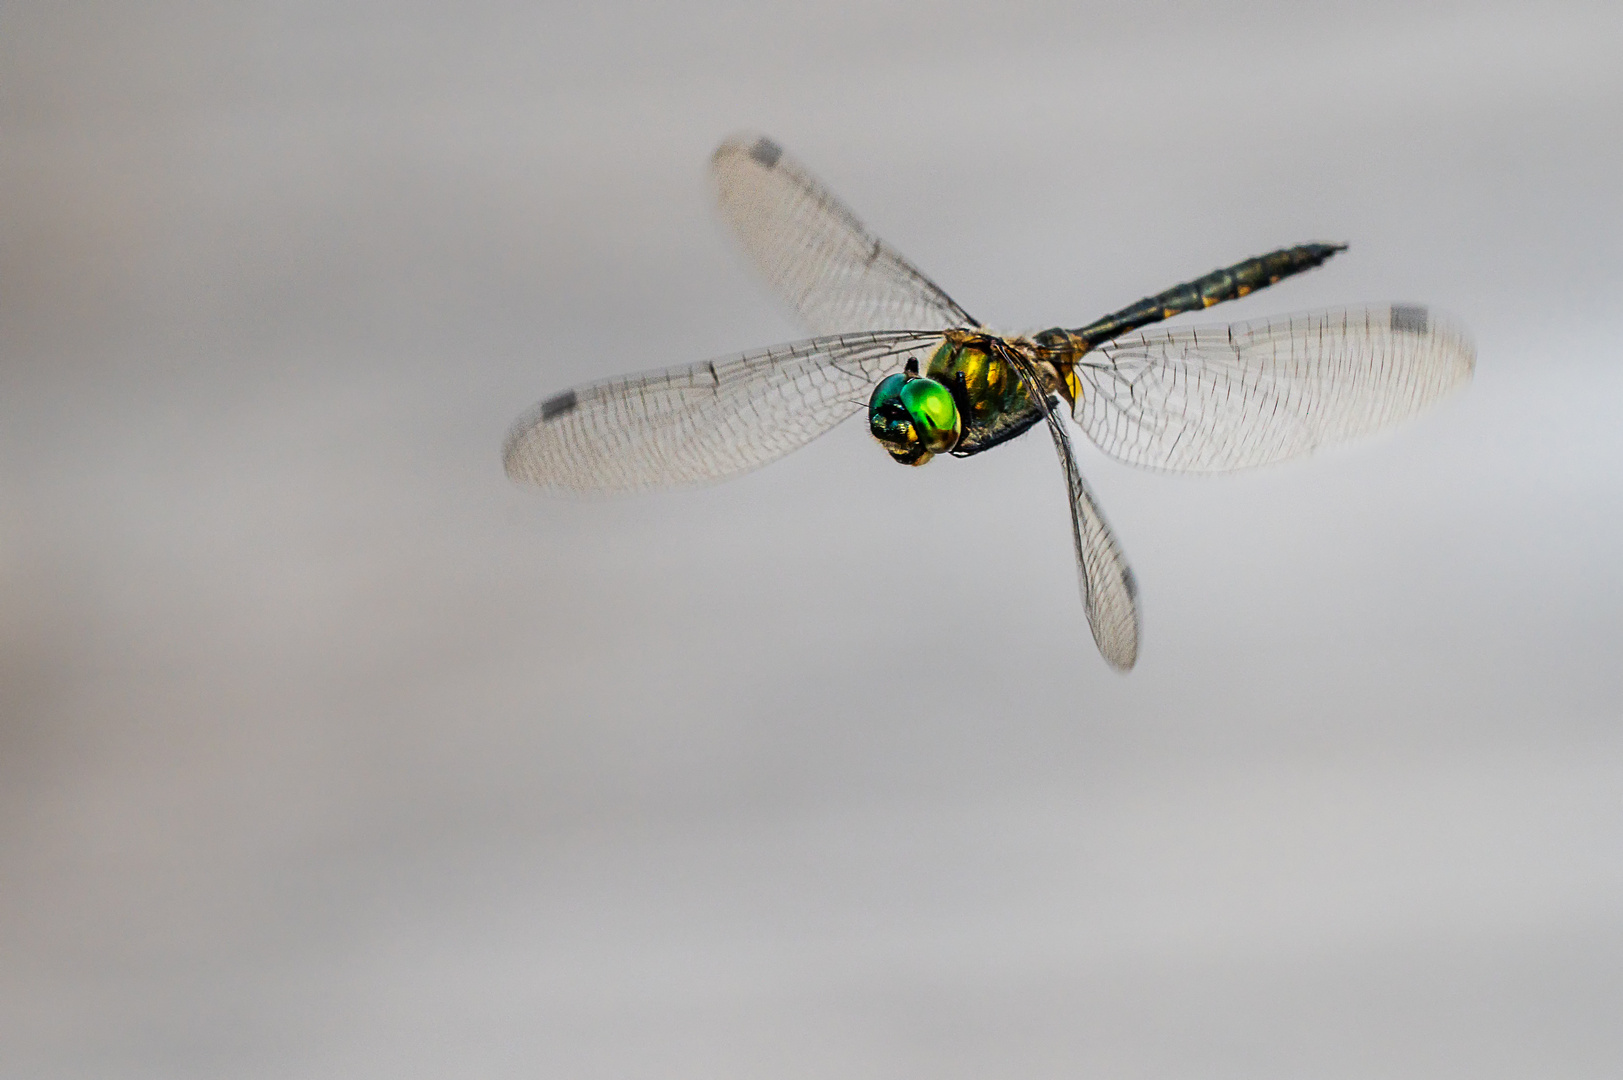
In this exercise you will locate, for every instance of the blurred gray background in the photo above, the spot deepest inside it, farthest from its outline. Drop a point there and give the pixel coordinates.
(327, 752)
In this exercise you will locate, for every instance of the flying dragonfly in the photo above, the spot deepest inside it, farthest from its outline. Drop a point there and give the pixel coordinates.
(935, 380)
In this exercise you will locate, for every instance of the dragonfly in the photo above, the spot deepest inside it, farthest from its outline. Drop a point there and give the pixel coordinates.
(935, 380)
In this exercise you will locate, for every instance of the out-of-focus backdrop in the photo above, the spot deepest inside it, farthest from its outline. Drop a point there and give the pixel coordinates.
(327, 752)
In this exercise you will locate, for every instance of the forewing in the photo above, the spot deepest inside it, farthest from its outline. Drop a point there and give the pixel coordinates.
(1210, 399)
(689, 425)
(1109, 592)
(834, 273)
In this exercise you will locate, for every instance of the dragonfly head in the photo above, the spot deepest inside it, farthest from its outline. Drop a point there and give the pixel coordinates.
(914, 417)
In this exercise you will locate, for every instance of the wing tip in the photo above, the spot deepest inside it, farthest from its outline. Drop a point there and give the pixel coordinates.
(1119, 645)
(754, 145)
(517, 462)
(1440, 328)
(514, 463)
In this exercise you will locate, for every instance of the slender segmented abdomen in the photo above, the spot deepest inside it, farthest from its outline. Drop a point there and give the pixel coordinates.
(1215, 287)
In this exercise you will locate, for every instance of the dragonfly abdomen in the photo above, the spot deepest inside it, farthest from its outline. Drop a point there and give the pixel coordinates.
(1228, 283)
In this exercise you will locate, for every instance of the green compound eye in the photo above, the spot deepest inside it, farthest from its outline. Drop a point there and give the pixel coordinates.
(914, 418)
(890, 423)
(934, 413)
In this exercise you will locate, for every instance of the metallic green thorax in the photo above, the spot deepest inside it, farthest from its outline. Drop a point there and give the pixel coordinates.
(969, 399)
(992, 400)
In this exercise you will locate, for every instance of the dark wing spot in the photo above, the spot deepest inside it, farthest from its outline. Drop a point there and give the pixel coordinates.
(1128, 580)
(1408, 319)
(554, 407)
(766, 152)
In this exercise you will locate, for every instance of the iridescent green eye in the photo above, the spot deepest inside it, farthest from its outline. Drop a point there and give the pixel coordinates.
(915, 418)
(892, 424)
(886, 394)
(934, 413)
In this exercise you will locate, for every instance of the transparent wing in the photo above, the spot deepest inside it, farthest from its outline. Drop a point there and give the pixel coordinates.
(1109, 593)
(688, 425)
(834, 273)
(1210, 399)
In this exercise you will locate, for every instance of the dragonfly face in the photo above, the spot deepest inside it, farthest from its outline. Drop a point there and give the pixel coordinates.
(914, 418)
(1189, 399)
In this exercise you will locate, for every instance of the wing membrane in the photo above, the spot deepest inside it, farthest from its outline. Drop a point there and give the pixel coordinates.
(834, 273)
(705, 421)
(1109, 593)
(1210, 399)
